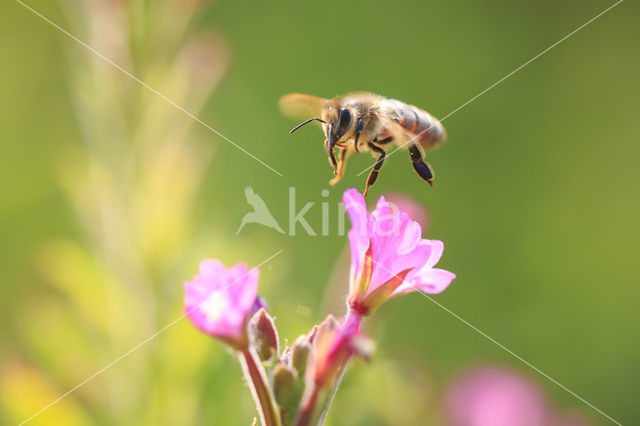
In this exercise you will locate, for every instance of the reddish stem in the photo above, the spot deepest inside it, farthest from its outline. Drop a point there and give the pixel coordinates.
(306, 414)
(351, 326)
(259, 388)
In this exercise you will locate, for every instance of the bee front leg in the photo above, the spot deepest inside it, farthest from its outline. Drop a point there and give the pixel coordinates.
(423, 169)
(344, 154)
(332, 157)
(373, 175)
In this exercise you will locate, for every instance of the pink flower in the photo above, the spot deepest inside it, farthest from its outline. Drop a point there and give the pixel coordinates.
(388, 255)
(495, 396)
(411, 207)
(219, 301)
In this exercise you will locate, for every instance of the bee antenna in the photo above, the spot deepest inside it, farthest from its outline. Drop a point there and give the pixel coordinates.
(307, 122)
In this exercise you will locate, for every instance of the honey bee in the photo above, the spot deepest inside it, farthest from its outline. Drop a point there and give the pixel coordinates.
(360, 122)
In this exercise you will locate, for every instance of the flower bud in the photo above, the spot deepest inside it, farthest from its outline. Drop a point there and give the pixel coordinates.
(328, 325)
(287, 389)
(334, 345)
(284, 379)
(263, 334)
(300, 355)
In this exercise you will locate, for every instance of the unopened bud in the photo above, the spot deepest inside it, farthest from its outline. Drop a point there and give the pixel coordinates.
(300, 355)
(263, 334)
(327, 326)
(335, 343)
(287, 390)
(284, 380)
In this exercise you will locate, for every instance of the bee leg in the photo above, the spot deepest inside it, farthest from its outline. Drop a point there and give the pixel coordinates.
(359, 128)
(332, 157)
(423, 169)
(344, 153)
(373, 175)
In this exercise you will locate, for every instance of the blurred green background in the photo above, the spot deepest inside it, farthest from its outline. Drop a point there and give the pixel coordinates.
(111, 196)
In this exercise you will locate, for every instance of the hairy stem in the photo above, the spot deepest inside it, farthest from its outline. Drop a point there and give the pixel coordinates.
(262, 395)
(325, 411)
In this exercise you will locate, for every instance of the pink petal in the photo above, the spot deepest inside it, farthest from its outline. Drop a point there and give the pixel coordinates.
(410, 239)
(437, 247)
(414, 209)
(432, 281)
(383, 208)
(219, 300)
(396, 250)
(246, 294)
(211, 269)
(356, 208)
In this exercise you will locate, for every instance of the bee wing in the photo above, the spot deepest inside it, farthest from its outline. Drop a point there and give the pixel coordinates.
(300, 106)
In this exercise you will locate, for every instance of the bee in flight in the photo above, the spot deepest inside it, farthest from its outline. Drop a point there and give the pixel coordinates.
(360, 122)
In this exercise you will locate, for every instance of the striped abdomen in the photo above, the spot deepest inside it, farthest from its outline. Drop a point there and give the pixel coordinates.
(418, 123)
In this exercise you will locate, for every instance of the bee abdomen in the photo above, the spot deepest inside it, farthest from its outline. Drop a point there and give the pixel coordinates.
(422, 125)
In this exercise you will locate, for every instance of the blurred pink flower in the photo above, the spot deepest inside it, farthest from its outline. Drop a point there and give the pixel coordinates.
(495, 396)
(219, 301)
(388, 255)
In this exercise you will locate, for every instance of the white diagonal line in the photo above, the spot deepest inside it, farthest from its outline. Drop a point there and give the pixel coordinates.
(502, 79)
(133, 77)
(145, 341)
(503, 347)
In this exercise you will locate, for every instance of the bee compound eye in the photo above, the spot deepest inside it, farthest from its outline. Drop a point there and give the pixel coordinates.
(344, 120)
(345, 116)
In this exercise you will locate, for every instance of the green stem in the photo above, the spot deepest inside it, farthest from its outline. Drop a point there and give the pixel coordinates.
(262, 395)
(325, 411)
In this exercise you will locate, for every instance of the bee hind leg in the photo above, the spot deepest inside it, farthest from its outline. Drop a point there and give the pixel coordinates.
(423, 169)
(373, 175)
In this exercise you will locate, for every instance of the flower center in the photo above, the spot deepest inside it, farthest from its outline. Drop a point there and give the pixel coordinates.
(214, 306)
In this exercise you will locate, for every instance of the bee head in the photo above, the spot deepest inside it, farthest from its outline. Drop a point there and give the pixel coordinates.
(338, 125)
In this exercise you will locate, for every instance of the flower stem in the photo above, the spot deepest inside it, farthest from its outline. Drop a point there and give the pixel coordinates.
(353, 320)
(262, 395)
(325, 411)
(351, 326)
(305, 415)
